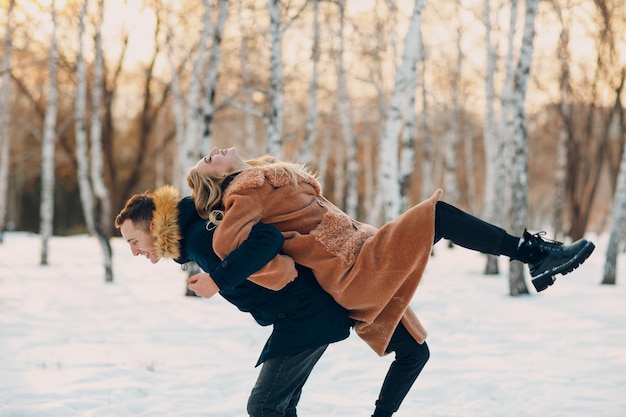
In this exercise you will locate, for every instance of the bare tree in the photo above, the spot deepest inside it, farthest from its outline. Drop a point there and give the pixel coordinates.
(405, 73)
(619, 205)
(46, 212)
(489, 137)
(97, 226)
(519, 166)
(306, 153)
(344, 110)
(5, 117)
(210, 78)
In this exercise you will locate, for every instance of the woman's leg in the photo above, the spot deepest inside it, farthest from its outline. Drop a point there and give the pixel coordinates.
(544, 258)
(404, 370)
(278, 388)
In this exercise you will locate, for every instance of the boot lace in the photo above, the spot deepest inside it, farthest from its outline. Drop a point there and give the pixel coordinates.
(546, 244)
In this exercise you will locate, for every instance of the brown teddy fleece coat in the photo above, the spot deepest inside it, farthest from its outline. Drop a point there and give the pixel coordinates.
(371, 272)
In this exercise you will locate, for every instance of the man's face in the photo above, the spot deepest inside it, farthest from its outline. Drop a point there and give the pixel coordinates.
(141, 243)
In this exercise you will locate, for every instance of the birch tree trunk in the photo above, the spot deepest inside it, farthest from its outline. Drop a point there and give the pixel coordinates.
(210, 81)
(104, 224)
(617, 226)
(565, 110)
(489, 137)
(275, 113)
(80, 128)
(345, 120)
(453, 136)
(390, 184)
(46, 212)
(247, 79)
(306, 153)
(427, 141)
(5, 117)
(519, 168)
(505, 148)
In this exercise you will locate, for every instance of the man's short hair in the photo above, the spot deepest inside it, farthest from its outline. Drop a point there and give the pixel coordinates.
(139, 209)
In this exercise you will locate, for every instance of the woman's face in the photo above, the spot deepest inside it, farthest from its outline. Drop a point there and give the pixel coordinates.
(220, 163)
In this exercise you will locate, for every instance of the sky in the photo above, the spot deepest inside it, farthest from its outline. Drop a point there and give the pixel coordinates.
(72, 345)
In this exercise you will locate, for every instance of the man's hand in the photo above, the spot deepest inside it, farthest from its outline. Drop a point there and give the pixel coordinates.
(202, 284)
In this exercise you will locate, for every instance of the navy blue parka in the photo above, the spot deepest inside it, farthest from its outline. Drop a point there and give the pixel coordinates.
(303, 315)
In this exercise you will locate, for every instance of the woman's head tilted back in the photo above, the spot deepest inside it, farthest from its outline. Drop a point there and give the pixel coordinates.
(206, 177)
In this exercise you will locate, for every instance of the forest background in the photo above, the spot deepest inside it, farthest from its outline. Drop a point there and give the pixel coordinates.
(514, 109)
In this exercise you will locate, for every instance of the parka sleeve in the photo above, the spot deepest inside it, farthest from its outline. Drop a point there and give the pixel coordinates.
(242, 211)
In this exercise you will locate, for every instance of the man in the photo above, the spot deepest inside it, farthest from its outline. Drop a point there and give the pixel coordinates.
(305, 318)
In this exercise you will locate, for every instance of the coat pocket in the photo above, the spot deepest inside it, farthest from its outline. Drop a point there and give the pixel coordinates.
(341, 236)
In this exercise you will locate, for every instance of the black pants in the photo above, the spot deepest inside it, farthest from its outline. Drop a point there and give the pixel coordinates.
(464, 230)
(404, 370)
(470, 232)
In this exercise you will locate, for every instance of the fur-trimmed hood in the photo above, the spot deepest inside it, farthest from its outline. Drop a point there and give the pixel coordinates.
(165, 228)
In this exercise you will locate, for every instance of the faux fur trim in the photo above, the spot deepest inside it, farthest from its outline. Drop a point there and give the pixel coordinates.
(165, 228)
(257, 176)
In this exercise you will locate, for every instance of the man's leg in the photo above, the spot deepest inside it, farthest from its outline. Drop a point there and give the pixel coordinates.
(404, 370)
(278, 388)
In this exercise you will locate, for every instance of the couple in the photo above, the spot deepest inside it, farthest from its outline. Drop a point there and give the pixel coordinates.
(272, 245)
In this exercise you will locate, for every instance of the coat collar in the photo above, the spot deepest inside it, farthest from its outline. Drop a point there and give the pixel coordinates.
(165, 229)
(257, 176)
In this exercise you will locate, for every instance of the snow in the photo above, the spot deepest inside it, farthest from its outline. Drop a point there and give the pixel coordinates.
(73, 345)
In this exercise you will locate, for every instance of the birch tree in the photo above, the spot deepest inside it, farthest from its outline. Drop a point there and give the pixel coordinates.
(351, 175)
(46, 212)
(565, 111)
(186, 111)
(388, 167)
(210, 78)
(103, 224)
(97, 226)
(5, 117)
(619, 206)
(489, 136)
(80, 128)
(306, 153)
(519, 168)
(274, 117)
(609, 276)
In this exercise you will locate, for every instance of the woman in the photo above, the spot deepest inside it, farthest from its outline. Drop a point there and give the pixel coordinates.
(371, 272)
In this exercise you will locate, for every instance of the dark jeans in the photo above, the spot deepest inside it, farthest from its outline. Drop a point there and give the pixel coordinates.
(278, 388)
(404, 370)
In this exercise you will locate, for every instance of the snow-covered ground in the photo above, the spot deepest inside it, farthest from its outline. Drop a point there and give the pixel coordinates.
(71, 345)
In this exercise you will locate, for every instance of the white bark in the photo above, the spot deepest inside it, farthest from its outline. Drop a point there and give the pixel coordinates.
(210, 82)
(490, 140)
(80, 128)
(306, 153)
(389, 184)
(519, 166)
(566, 114)
(351, 174)
(617, 226)
(46, 213)
(5, 117)
(428, 146)
(274, 121)
(505, 149)
(100, 190)
(247, 78)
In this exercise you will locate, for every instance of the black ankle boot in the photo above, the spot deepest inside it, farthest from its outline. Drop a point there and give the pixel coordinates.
(548, 258)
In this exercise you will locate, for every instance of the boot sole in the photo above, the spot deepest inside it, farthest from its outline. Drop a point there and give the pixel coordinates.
(547, 278)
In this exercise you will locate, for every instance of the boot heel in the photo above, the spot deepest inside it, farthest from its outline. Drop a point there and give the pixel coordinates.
(543, 282)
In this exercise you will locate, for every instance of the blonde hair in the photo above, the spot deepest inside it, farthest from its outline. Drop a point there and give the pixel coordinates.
(207, 191)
